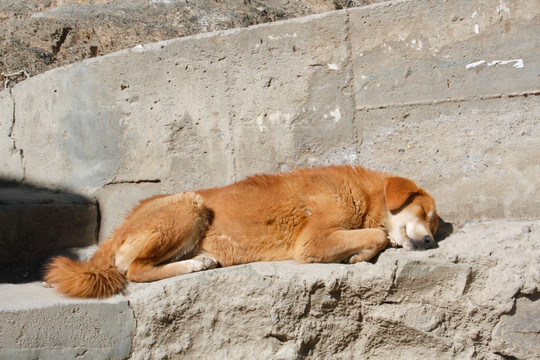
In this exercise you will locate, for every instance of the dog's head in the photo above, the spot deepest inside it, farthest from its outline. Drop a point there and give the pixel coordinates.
(411, 218)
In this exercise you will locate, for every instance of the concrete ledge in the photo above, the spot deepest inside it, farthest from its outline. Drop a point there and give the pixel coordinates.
(443, 303)
(443, 92)
(474, 296)
(37, 323)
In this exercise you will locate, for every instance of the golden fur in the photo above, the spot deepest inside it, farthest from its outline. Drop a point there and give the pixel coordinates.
(330, 214)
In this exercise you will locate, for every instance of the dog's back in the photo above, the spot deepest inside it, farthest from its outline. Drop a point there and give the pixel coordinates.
(267, 215)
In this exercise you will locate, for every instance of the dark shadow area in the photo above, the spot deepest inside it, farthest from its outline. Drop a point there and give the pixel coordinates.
(445, 230)
(37, 222)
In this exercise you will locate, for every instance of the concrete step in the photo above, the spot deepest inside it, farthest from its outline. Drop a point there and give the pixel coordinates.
(482, 282)
(39, 323)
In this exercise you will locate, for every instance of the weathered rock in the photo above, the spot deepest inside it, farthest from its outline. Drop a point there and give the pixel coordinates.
(410, 87)
(441, 303)
(518, 333)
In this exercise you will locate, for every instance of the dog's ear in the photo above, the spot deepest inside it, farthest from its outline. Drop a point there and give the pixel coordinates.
(398, 190)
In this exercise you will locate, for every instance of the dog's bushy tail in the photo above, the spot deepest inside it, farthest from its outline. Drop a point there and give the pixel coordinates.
(96, 278)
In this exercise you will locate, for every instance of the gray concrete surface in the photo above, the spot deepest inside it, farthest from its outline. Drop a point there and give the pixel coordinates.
(443, 92)
(37, 323)
(473, 297)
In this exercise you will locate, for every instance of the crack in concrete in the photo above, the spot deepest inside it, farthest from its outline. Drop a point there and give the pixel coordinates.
(230, 114)
(98, 220)
(349, 86)
(10, 132)
(449, 100)
(141, 181)
(14, 148)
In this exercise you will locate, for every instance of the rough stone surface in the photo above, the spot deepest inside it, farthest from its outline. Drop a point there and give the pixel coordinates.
(518, 333)
(39, 324)
(443, 92)
(474, 297)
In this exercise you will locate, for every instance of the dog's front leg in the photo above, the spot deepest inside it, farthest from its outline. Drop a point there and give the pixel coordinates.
(337, 245)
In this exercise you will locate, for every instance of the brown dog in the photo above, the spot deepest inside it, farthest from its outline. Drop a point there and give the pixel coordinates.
(331, 214)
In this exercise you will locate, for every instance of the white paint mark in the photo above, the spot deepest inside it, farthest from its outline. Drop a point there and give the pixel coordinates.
(474, 14)
(361, 54)
(476, 29)
(351, 157)
(333, 66)
(401, 38)
(363, 77)
(336, 114)
(260, 123)
(518, 63)
(502, 7)
(413, 41)
(276, 118)
(284, 36)
(474, 64)
(138, 47)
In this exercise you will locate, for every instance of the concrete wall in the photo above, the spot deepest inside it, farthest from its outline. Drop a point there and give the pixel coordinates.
(444, 92)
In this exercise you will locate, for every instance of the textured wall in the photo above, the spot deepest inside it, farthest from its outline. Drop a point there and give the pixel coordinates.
(442, 92)
(445, 92)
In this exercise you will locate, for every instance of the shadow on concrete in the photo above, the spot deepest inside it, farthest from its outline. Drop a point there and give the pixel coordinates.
(37, 222)
(445, 230)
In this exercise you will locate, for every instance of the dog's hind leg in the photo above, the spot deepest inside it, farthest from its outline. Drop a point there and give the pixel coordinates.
(141, 271)
(163, 229)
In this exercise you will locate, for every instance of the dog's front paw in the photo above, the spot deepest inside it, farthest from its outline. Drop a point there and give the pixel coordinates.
(209, 262)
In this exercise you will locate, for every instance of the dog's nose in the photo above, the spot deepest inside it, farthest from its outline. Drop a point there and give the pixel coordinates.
(428, 242)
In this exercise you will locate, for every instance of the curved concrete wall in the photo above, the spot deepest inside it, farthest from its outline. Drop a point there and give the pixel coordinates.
(442, 92)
